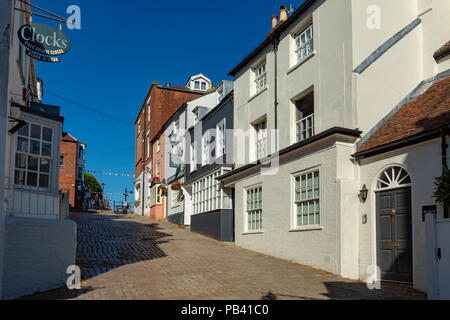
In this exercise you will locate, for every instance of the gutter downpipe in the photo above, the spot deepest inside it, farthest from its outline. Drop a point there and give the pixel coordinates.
(276, 41)
(143, 163)
(444, 146)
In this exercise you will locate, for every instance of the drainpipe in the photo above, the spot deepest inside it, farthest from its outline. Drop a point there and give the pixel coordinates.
(143, 164)
(275, 43)
(444, 146)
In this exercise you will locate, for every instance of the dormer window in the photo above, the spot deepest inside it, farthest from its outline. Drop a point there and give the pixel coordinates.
(197, 85)
(203, 86)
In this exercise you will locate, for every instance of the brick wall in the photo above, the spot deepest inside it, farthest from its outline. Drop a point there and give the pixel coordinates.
(68, 173)
(164, 102)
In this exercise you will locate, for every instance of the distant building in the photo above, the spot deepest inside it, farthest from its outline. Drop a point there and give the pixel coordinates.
(160, 104)
(72, 169)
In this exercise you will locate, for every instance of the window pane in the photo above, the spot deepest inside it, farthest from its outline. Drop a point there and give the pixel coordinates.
(311, 213)
(35, 147)
(21, 161)
(24, 131)
(47, 134)
(32, 179)
(22, 145)
(45, 167)
(35, 131)
(19, 177)
(43, 180)
(33, 163)
(47, 149)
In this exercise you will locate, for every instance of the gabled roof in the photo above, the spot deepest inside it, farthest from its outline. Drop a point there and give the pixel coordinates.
(200, 75)
(442, 52)
(428, 113)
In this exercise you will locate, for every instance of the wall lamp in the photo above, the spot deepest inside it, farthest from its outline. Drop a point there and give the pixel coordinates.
(363, 193)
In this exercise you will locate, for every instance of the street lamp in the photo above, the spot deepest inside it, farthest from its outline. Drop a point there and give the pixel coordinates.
(363, 193)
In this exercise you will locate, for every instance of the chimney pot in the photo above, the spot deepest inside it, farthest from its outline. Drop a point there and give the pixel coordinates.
(274, 21)
(283, 13)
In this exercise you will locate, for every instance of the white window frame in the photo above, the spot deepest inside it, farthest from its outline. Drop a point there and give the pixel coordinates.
(193, 156)
(158, 169)
(195, 85)
(302, 43)
(203, 83)
(315, 199)
(260, 77)
(158, 145)
(252, 227)
(139, 127)
(39, 157)
(205, 148)
(209, 195)
(155, 196)
(260, 140)
(176, 198)
(221, 143)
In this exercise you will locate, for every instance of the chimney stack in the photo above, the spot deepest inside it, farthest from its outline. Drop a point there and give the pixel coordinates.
(274, 21)
(283, 13)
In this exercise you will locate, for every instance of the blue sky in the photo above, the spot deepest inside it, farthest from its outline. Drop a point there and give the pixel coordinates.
(125, 45)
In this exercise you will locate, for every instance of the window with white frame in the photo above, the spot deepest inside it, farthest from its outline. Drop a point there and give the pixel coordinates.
(197, 85)
(204, 86)
(205, 148)
(176, 198)
(139, 127)
(80, 152)
(304, 110)
(307, 199)
(220, 138)
(148, 144)
(260, 77)
(261, 140)
(158, 169)
(156, 194)
(158, 145)
(304, 43)
(33, 156)
(193, 156)
(209, 195)
(61, 161)
(254, 209)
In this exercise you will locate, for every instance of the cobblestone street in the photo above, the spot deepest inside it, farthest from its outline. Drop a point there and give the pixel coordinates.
(129, 257)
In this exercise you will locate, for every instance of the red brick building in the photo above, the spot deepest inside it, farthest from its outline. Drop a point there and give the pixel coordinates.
(161, 102)
(72, 168)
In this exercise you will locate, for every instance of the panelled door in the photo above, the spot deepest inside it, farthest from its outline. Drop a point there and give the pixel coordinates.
(394, 235)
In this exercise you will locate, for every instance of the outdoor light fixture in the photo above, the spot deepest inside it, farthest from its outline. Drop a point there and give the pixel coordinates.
(363, 193)
(173, 138)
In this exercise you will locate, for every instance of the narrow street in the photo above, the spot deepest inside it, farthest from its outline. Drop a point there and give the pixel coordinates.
(129, 257)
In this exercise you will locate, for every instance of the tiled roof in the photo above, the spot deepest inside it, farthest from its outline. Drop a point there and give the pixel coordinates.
(428, 112)
(443, 51)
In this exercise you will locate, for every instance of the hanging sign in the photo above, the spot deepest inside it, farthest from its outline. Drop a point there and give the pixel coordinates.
(42, 58)
(44, 40)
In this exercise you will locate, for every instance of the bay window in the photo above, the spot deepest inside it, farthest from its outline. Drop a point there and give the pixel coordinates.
(209, 195)
(33, 156)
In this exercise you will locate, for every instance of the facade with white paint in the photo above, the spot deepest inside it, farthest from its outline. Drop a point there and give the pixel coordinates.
(323, 79)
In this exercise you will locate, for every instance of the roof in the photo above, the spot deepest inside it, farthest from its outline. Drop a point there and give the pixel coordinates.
(442, 52)
(273, 34)
(428, 113)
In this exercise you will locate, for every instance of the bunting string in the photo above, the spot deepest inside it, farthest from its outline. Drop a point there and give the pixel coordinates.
(112, 174)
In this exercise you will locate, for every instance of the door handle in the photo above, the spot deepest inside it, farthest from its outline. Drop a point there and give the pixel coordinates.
(439, 254)
(393, 212)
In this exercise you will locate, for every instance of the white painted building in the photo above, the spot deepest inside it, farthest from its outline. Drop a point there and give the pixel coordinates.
(38, 242)
(323, 79)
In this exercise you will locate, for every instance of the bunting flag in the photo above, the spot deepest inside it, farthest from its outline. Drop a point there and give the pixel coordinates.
(112, 174)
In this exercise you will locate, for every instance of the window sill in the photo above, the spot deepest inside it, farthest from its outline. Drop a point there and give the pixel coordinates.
(257, 94)
(252, 233)
(305, 229)
(293, 68)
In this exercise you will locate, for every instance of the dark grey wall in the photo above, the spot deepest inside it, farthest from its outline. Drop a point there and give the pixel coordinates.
(215, 224)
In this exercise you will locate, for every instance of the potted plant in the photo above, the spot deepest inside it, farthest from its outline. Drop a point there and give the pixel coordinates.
(176, 185)
(155, 180)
